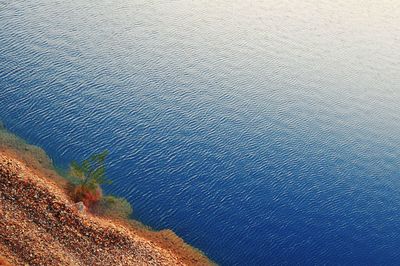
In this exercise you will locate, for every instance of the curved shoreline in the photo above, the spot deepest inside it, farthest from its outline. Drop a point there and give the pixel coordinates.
(39, 215)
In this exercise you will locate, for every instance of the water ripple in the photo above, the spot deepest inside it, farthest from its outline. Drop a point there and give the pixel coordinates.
(262, 132)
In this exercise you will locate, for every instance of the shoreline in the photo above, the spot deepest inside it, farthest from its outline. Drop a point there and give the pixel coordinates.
(162, 247)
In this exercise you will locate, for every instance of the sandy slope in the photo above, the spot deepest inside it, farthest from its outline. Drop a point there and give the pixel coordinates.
(40, 225)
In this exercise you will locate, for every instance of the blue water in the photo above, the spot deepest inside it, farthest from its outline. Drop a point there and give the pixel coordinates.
(262, 132)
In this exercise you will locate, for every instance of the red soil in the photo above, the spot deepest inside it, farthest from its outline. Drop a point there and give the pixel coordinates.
(40, 225)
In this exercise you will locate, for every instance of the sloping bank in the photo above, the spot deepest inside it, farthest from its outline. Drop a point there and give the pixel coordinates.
(41, 225)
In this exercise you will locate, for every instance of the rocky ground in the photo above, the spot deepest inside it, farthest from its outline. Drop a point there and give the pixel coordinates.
(40, 225)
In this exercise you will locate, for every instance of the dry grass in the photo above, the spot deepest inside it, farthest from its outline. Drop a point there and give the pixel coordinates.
(168, 240)
(32, 156)
(26, 151)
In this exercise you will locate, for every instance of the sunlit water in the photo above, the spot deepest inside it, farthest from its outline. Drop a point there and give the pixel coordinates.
(262, 132)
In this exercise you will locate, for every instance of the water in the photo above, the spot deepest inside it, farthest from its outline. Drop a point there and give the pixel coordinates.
(262, 132)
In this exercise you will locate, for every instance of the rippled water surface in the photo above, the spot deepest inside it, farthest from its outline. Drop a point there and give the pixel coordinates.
(262, 132)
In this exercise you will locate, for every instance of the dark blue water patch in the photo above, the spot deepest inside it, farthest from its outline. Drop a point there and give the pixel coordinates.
(257, 136)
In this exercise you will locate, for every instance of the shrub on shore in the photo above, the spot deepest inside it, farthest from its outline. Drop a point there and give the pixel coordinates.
(83, 180)
(89, 197)
(88, 177)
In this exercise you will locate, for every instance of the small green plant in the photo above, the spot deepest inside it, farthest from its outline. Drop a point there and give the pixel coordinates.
(89, 175)
(92, 171)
